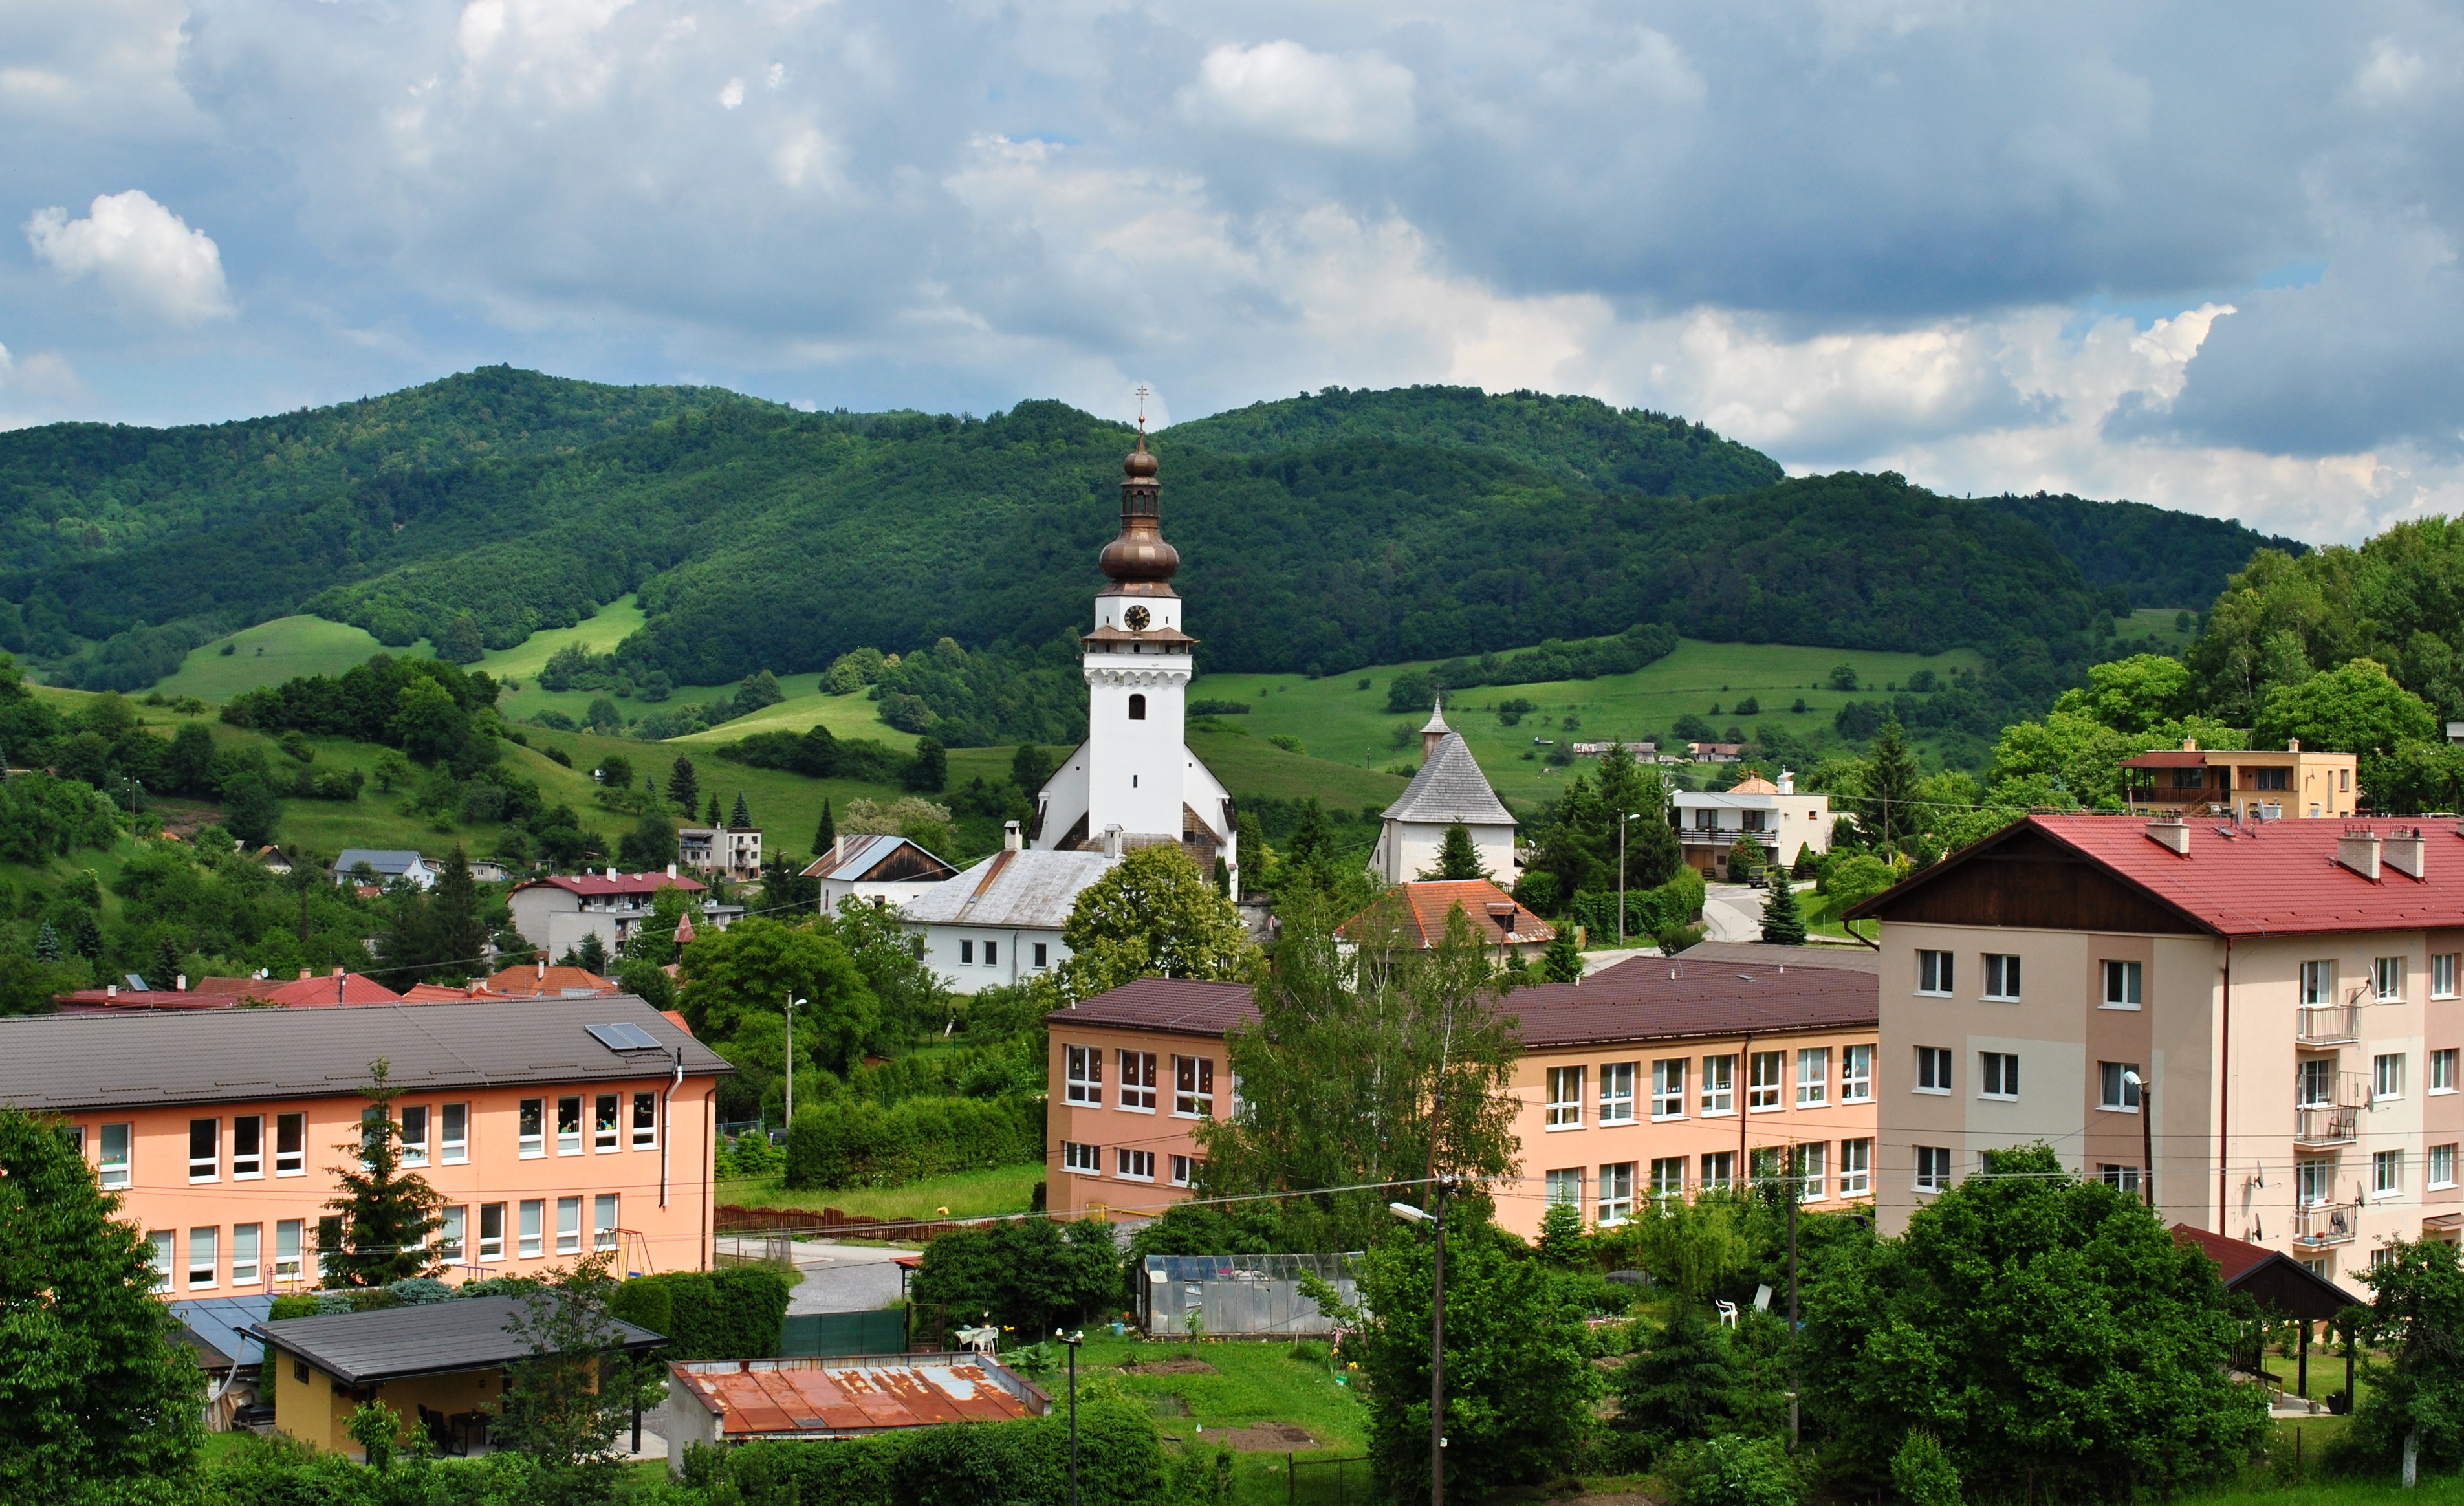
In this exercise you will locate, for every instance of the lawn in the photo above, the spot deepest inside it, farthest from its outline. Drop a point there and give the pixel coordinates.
(964, 1194)
(272, 652)
(1823, 918)
(1252, 1385)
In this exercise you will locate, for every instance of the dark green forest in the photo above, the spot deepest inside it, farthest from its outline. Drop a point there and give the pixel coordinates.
(1322, 534)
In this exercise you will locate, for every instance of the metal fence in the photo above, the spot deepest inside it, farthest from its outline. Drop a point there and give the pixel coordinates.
(882, 1331)
(1341, 1481)
(1235, 1296)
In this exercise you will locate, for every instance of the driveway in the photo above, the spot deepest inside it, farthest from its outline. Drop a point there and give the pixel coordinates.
(1733, 912)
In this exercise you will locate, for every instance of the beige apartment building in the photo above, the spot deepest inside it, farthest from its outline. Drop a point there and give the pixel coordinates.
(2287, 994)
(2254, 784)
(1652, 1078)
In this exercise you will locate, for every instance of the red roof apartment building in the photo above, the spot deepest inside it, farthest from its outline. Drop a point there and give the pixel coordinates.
(1652, 1078)
(2289, 991)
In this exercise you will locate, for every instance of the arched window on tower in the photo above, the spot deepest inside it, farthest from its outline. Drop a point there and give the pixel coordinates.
(1138, 708)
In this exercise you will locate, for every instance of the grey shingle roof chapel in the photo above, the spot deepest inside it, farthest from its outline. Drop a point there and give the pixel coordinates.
(1450, 787)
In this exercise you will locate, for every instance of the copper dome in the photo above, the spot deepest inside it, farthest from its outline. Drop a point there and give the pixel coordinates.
(1139, 559)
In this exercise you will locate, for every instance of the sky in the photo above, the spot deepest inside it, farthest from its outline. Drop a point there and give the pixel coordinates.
(2199, 257)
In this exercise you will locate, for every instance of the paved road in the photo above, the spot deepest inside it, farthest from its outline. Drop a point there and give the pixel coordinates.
(844, 1278)
(1733, 912)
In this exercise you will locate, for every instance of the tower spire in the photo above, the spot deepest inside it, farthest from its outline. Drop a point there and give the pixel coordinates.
(1139, 562)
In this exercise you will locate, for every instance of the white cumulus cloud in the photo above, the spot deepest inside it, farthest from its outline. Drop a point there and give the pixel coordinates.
(146, 258)
(1283, 91)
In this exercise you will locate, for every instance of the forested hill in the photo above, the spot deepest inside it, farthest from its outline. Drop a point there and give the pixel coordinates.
(2163, 558)
(1578, 439)
(759, 537)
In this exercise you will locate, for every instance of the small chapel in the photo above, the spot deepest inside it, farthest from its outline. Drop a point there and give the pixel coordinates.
(1448, 789)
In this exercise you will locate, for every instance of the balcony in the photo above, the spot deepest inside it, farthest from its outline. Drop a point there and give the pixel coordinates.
(2320, 1126)
(2327, 1024)
(1722, 836)
(2316, 1225)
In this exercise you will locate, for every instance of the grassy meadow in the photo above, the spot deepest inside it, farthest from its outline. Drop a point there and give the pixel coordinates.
(961, 1194)
(272, 652)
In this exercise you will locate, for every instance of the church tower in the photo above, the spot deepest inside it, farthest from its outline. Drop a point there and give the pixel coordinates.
(1135, 783)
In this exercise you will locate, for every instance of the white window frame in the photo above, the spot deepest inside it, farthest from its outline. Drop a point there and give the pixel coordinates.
(247, 1254)
(569, 1226)
(1856, 1168)
(1719, 1085)
(645, 1120)
(1855, 1074)
(289, 1160)
(2001, 978)
(1934, 972)
(1935, 1069)
(2115, 1095)
(453, 1233)
(1564, 1184)
(2314, 1180)
(414, 1152)
(492, 1246)
(2387, 980)
(2442, 1165)
(2318, 980)
(1081, 1158)
(2386, 1173)
(453, 1135)
(530, 1128)
(1137, 1081)
(1766, 1096)
(1814, 1076)
(1667, 1177)
(2123, 981)
(967, 953)
(2313, 1082)
(1616, 1194)
(1617, 1092)
(2442, 1070)
(532, 1235)
(1933, 1171)
(1997, 1075)
(1192, 1087)
(604, 1221)
(1133, 1165)
(1184, 1171)
(163, 1255)
(1082, 1075)
(1564, 1101)
(2386, 1076)
(1040, 963)
(116, 1155)
(290, 1236)
(2442, 974)
(992, 954)
(212, 1160)
(205, 1245)
(1813, 1174)
(1668, 1089)
(569, 1141)
(1719, 1170)
(248, 1165)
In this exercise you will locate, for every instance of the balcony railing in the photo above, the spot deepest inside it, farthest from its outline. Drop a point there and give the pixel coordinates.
(2319, 1224)
(2317, 1126)
(2328, 1024)
(1725, 837)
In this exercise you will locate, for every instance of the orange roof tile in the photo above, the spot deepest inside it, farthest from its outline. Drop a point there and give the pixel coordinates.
(1495, 914)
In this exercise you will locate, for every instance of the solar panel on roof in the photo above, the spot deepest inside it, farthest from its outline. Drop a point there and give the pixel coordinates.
(625, 1037)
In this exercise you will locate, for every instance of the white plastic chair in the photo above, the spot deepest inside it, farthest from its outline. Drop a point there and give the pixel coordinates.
(1762, 1298)
(1727, 1312)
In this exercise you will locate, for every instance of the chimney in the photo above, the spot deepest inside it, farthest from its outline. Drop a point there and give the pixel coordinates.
(2292, 745)
(2189, 745)
(1113, 843)
(672, 869)
(305, 975)
(183, 981)
(1787, 782)
(1011, 841)
(2404, 850)
(542, 966)
(111, 990)
(2173, 836)
(2358, 850)
(838, 849)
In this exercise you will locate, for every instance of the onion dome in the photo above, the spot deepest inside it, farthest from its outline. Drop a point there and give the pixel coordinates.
(1139, 561)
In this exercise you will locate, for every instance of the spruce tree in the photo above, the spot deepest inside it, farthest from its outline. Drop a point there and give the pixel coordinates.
(458, 933)
(1561, 1236)
(742, 819)
(47, 944)
(1783, 923)
(1457, 857)
(385, 1214)
(825, 835)
(1890, 810)
(1563, 961)
(713, 819)
(684, 788)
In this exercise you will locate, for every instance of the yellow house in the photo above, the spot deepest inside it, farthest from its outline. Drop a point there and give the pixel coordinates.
(441, 1366)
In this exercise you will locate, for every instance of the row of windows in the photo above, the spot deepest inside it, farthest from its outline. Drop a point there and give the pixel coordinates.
(240, 1256)
(1613, 1189)
(1129, 1164)
(2122, 980)
(1193, 1081)
(428, 1135)
(2313, 1179)
(1765, 1087)
(1040, 951)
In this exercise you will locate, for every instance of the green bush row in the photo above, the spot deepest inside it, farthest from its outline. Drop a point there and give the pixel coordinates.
(730, 1315)
(849, 1142)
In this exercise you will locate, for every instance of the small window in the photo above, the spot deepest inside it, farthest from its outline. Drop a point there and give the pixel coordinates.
(1812, 1174)
(1668, 1089)
(1719, 1084)
(247, 1246)
(2344, 781)
(2313, 1083)
(1193, 1086)
(568, 1125)
(1719, 1170)
(2001, 977)
(247, 1145)
(2386, 1076)
(2119, 1178)
(1933, 1167)
(1133, 1165)
(1934, 972)
(1933, 1069)
(161, 1241)
(414, 1135)
(1565, 1186)
(1083, 1072)
(2272, 779)
(2116, 1089)
(2442, 1071)
(491, 1231)
(1855, 1168)
(113, 1169)
(602, 1220)
(2442, 1165)
(1138, 1081)
(606, 1133)
(1616, 1193)
(1565, 1097)
(1667, 1177)
(645, 1120)
(289, 1234)
(2319, 982)
(450, 1232)
(1040, 955)
(2386, 1173)
(2121, 986)
(533, 1228)
(1813, 1076)
(1138, 708)
(204, 1257)
(1184, 1171)
(569, 1226)
(1856, 1074)
(967, 954)
(992, 954)
(1998, 1074)
(2387, 977)
(2442, 975)
(205, 1150)
(1616, 1092)
(534, 1127)
(290, 1144)
(1086, 1159)
(1763, 1084)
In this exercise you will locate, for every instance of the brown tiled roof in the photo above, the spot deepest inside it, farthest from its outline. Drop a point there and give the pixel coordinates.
(1495, 916)
(1178, 1005)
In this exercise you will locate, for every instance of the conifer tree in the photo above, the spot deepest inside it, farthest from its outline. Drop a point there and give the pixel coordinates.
(1890, 810)
(1457, 857)
(684, 788)
(827, 835)
(1563, 961)
(385, 1214)
(742, 819)
(47, 945)
(713, 818)
(1561, 1236)
(1783, 923)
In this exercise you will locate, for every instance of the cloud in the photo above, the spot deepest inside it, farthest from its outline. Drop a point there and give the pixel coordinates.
(143, 255)
(1283, 91)
(39, 388)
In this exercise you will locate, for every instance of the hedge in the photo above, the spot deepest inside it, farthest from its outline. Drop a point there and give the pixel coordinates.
(731, 1315)
(849, 1142)
(1648, 912)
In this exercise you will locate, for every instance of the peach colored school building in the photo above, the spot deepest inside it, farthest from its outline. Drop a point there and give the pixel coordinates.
(1652, 1078)
(552, 1127)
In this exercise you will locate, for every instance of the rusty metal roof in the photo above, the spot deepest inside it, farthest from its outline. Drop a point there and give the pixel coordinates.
(857, 1394)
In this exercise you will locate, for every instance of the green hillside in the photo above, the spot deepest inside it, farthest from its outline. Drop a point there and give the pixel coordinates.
(2161, 558)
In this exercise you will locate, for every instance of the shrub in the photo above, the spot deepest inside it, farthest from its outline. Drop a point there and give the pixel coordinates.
(733, 1314)
(1738, 1471)
(1032, 1275)
(1923, 1474)
(852, 1143)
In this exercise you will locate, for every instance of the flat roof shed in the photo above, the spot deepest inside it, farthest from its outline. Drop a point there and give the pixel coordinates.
(730, 1401)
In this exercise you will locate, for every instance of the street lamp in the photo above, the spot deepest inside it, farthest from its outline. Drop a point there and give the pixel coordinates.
(1072, 1340)
(1621, 821)
(1437, 1223)
(793, 1005)
(2146, 1134)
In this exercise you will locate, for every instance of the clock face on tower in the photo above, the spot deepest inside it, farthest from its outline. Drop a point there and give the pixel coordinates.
(1138, 619)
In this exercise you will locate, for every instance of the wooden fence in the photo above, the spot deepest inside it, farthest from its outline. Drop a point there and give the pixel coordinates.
(830, 1222)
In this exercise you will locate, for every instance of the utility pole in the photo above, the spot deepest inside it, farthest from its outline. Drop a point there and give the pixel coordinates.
(1621, 821)
(2146, 1134)
(1795, 1186)
(1072, 1340)
(792, 1002)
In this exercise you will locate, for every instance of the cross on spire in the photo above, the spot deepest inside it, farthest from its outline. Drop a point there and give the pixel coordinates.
(1142, 407)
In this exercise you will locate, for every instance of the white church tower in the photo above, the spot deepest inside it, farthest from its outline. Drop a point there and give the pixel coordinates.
(1135, 783)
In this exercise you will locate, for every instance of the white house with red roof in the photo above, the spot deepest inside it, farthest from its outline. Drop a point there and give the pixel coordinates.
(555, 913)
(2291, 993)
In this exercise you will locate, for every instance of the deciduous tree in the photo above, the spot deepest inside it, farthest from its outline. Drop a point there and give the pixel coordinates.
(757, 964)
(1152, 915)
